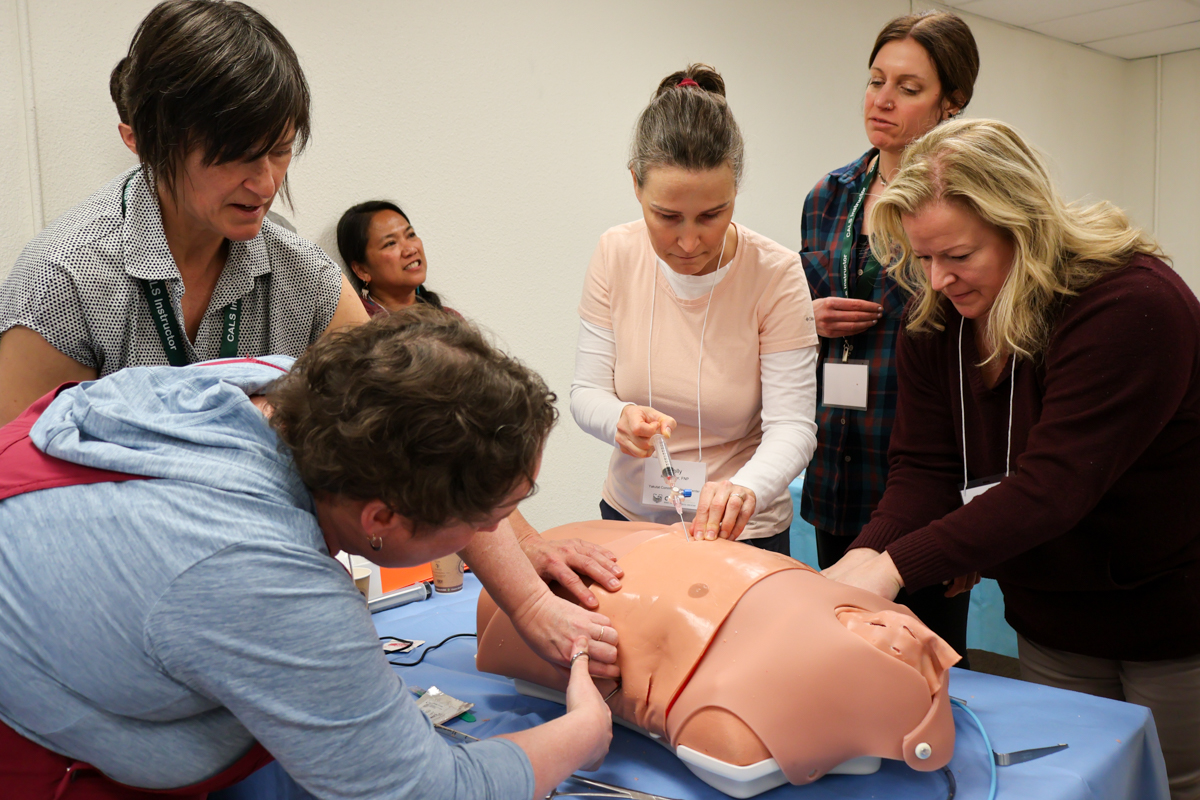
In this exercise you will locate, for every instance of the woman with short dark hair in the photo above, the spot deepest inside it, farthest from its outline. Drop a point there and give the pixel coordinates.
(921, 71)
(192, 517)
(171, 262)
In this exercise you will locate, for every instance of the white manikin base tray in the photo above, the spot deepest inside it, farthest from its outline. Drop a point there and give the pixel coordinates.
(735, 781)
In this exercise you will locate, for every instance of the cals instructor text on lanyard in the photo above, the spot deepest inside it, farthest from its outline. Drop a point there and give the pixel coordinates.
(158, 297)
(846, 381)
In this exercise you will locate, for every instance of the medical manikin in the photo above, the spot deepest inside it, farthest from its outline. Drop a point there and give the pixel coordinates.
(750, 666)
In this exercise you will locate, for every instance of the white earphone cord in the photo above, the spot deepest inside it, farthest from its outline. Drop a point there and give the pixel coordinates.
(700, 364)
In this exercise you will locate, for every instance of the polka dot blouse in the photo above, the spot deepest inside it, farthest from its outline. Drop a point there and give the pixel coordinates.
(77, 284)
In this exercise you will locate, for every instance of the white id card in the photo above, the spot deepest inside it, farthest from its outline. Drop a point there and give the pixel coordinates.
(976, 488)
(846, 384)
(688, 475)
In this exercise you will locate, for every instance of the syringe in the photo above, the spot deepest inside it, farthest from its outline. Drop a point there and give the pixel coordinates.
(668, 473)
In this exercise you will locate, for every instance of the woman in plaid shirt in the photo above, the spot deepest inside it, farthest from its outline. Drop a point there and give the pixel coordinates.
(922, 71)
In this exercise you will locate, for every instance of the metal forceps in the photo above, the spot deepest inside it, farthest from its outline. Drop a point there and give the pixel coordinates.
(1021, 756)
(607, 789)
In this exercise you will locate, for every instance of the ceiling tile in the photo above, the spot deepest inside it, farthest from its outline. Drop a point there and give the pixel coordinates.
(1110, 23)
(1025, 13)
(1160, 42)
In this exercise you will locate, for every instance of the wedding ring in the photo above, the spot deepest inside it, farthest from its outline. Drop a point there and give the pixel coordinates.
(580, 654)
(738, 495)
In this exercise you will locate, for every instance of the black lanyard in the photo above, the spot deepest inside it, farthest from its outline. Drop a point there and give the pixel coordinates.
(158, 297)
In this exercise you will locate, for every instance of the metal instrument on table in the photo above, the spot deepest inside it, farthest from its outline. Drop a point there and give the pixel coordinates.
(1016, 756)
(600, 788)
(1021, 756)
(604, 790)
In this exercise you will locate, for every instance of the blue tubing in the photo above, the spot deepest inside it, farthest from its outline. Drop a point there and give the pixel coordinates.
(987, 743)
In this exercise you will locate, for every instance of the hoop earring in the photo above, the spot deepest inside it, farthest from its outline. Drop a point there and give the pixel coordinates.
(376, 543)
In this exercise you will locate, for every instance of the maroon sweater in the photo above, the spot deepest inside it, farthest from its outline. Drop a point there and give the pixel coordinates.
(1094, 536)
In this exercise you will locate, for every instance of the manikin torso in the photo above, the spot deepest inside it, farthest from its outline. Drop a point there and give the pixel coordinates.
(746, 655)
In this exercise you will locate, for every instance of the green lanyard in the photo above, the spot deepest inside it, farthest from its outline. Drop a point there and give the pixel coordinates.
(169, 332)
(158, 297)
(870, 271)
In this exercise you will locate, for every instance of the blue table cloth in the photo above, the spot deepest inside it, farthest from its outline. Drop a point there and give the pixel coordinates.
(1114, 750)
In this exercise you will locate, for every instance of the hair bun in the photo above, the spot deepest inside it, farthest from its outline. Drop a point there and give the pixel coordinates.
(702, 75)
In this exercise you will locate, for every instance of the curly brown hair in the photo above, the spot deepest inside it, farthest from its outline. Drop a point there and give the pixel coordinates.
(417, 409)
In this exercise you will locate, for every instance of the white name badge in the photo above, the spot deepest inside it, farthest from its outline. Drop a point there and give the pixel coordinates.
(846, 384)
(688, 475)
(978, 488)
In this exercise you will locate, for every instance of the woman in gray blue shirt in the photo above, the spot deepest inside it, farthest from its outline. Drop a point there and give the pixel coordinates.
(201, 603)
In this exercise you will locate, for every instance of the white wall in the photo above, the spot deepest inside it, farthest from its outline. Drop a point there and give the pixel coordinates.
(502, 129)
(16, 198)
(1179, 175)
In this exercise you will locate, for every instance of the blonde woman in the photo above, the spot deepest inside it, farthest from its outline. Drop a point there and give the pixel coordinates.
(1048, 429)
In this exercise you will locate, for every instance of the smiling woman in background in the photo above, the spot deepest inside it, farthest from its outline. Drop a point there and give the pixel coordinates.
(385, 257)
(694, 327)
(171, 262)
(922, 71)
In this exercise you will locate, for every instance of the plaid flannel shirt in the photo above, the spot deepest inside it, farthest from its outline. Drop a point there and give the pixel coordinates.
(848, 472)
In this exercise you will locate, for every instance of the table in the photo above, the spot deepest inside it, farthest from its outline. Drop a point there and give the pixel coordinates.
(1114, 750)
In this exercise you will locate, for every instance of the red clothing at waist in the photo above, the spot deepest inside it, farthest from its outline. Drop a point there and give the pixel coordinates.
(29, 771)
(24, 468)
(1095, 535)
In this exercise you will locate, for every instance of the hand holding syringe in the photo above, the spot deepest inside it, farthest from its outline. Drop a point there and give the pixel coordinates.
(668, 473)
(641, 433)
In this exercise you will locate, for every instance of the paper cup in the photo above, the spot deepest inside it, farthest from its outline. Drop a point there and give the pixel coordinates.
(362, 579)
(447, 573)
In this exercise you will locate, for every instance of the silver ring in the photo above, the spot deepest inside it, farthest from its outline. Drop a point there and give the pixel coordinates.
(738, 495)
(580, 654)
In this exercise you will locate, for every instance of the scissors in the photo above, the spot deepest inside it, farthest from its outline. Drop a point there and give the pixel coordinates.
(603, 789)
